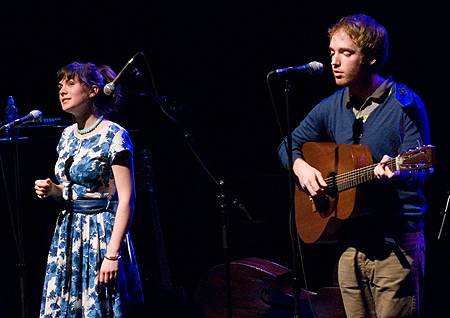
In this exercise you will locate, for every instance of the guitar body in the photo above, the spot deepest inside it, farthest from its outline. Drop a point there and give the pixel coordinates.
(318, 219)
(263, 289)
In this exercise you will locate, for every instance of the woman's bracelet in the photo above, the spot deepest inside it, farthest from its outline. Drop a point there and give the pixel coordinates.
(113, 258)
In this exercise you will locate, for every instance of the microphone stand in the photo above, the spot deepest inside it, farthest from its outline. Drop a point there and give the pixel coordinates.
(293, 230)
(444, 216)
(18, 232)
(226, 196)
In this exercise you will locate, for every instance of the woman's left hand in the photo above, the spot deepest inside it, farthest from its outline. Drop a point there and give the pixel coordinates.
(108, 271)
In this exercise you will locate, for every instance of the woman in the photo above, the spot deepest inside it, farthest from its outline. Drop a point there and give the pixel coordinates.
(91, 270)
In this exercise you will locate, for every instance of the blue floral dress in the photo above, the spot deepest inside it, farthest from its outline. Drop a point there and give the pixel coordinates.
(71, 287)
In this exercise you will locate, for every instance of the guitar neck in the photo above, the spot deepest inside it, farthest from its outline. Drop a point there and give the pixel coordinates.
(353, 178)
(149, 181)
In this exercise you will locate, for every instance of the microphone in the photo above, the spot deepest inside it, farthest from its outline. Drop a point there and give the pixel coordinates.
(313, 68)
(111, 87)
(33, 116)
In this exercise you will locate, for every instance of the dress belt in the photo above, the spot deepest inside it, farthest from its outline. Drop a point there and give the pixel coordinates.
(94, 206)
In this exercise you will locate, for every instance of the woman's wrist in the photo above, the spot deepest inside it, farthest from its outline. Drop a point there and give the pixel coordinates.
(113, 258)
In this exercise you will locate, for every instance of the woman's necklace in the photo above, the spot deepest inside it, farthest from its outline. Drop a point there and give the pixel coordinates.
(88, 130)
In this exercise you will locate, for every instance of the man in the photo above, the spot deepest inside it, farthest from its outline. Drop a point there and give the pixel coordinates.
(380, 272)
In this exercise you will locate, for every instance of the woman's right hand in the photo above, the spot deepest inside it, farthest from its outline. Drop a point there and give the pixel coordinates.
(44, 188)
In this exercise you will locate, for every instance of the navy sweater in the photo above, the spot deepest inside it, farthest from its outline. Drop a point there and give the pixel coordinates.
(397, 125)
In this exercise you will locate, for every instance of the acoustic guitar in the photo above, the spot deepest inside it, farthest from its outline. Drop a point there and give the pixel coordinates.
(149, 183)
(263, 289)
(344, 167)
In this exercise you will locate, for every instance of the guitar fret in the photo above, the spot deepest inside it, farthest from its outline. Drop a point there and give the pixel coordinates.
(350, 179)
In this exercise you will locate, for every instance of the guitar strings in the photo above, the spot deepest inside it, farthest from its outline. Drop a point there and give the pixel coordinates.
(349, 179)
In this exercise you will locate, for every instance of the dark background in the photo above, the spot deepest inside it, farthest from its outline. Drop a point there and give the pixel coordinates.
(210, 58)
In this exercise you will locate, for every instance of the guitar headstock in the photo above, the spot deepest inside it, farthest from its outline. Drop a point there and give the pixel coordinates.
(416, 160)
(148, 180)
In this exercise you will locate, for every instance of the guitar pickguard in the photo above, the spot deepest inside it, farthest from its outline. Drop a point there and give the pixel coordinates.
(324, 206)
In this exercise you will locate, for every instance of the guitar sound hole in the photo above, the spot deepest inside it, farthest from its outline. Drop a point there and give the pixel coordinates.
(332, 189)
(324, 204)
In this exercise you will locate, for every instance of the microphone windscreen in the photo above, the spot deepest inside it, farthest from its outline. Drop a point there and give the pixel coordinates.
(37, 115)
(317, 68)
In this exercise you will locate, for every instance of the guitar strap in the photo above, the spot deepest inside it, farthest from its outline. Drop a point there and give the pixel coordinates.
(411, 106)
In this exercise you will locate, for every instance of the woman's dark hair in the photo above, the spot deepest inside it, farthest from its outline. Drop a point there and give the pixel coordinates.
(89, 74)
